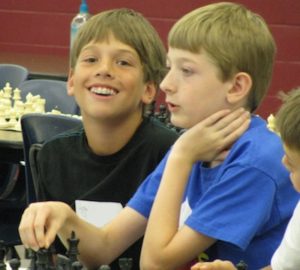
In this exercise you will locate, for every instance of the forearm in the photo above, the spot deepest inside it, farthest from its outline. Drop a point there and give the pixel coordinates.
(90, 241)
(99, 246)
(160, 238)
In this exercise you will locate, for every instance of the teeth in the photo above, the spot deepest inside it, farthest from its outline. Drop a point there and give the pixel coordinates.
(103, 91)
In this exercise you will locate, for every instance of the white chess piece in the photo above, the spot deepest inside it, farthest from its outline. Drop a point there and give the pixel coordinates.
(17, 94)
(7, 90)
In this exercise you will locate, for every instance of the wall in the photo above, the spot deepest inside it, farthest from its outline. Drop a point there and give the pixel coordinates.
(35, 26)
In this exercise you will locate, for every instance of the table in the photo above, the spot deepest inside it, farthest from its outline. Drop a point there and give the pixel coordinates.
(11, 146)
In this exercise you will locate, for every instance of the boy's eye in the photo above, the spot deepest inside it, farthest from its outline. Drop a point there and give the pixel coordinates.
(91, 59)
(186, 71)
(123, 63)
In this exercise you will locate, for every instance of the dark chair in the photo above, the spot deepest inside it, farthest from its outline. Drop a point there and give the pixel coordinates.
(14, 74)
(36, 129)
(55, 93)
(12, 182)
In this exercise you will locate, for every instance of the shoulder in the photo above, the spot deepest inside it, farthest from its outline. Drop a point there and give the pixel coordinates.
(155, 128)
(71, 136)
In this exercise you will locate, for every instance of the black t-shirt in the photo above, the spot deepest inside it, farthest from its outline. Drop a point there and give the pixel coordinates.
(69, 170)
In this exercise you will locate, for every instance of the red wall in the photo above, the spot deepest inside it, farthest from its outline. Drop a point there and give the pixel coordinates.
(35, 26)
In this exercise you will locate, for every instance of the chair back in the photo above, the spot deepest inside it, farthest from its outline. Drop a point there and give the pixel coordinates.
(36, 129)
(14, 74)
(55, 93)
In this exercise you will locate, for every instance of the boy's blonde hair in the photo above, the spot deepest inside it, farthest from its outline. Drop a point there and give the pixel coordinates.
(236, 39)
(131, 28)
(287, 119)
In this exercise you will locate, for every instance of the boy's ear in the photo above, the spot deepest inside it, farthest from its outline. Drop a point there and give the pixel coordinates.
(149, 93)
(70, 84)
(240, 87)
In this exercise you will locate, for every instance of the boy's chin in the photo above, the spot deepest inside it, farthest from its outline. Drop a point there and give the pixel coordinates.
(179, 124)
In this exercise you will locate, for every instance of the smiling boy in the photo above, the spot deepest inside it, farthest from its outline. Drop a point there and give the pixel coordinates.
(117, 62)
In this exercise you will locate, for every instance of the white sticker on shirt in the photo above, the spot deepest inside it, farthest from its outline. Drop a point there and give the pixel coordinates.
(185, 211)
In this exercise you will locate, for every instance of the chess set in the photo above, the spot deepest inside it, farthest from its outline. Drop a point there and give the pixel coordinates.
(12, 107)
(47, 259)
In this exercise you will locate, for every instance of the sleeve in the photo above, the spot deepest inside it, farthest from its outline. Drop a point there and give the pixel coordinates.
(143, 198)
(238, 194)
(287, 256)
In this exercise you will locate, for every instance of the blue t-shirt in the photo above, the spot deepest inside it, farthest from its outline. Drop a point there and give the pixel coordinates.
(245, 202)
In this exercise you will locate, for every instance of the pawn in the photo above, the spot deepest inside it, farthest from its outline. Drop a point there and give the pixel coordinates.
(241, 265)
(73, 247)
(14, 264)
(17, 94)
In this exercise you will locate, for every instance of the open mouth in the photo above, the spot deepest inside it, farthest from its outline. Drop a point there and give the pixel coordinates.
(103, 91)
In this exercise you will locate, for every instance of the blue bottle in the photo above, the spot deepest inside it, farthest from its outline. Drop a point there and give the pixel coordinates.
(79, 20)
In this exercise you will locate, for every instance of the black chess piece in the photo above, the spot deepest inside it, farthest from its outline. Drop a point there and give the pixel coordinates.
(77, 265)
(63, 263)
(14, 264)
(30, 255)
(242, 265)
(42, 259)
(2, 255)
(73, 247)
(125, 263)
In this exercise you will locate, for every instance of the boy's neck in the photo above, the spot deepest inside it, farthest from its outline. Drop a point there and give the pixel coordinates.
(107, 139)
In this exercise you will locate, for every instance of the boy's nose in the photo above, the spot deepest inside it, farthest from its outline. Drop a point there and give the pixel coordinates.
(167, 84)
(104, 69)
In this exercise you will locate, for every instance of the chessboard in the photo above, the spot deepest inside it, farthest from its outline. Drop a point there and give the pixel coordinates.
(47, 259)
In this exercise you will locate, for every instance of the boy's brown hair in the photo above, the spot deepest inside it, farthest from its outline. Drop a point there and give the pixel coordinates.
(287, 119)
(236, 39)
(131, 28)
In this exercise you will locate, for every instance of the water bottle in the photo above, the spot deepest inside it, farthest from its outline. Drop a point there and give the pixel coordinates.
(79, 20)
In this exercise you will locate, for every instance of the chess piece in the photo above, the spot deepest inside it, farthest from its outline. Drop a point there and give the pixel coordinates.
(17, 95)
(77, 265)
(14, 264)
(63, 262)
(31, 255)
(125, 263)
(42, 259)
(7, 90)
(242, 265)
(2, 115)
(2, 255)
(73, 247)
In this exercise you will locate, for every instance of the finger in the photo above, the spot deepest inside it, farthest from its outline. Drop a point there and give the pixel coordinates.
(214, 118)
(229, 127)
(26, 229)
(237, 131)
(231, 119)
(222, 118)
(51, 233)
(39, 227)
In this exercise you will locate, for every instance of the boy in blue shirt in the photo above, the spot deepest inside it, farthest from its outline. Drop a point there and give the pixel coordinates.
(220, 58)
(287, 123)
